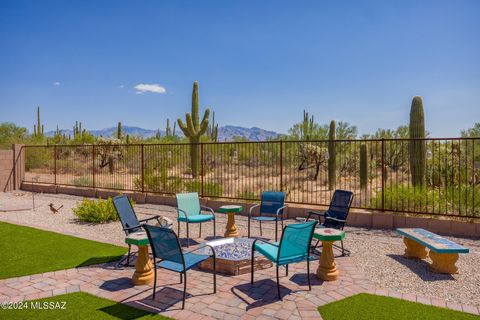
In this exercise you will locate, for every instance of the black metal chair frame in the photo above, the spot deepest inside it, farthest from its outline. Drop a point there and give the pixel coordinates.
(280, 213)
(129, 230)
(278, 266)
(184, 273)
(204, 208)
(341, 224)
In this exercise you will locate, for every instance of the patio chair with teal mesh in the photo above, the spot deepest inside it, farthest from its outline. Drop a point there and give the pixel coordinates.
(294, 246)
(128, 218)
(190, 211)
(271, 210)
(167, 254)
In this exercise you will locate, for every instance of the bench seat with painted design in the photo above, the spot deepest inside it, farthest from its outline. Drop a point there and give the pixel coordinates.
(443, 252)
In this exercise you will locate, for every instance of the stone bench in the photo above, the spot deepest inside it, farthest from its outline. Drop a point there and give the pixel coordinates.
(443, 252)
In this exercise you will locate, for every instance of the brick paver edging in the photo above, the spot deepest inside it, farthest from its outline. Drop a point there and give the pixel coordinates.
(235, 298)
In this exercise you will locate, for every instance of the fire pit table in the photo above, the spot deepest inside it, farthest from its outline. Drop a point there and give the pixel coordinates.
(233, 256)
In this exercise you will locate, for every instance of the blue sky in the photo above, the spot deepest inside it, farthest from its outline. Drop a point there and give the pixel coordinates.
(258, 63)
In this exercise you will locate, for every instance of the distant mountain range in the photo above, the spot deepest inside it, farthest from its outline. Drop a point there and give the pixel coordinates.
(225, 133)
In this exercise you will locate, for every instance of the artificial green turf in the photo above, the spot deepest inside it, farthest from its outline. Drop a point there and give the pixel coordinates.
(77, 305)
(371, 307)
(26, 251)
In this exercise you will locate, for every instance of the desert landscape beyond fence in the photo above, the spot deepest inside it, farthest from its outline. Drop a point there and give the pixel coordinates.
(432, 176)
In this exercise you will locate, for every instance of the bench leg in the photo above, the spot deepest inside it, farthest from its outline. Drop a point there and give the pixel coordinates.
(443, 262)
(413, 249)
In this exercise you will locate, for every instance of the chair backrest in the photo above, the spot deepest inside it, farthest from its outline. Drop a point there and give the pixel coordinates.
(188, 202)
(295, 241)
(164, 243)
(271, 202)
(126, 214)
(339, 207)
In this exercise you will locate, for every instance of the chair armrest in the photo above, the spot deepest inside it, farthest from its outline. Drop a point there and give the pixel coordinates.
(151, 218)
(131, 228)
(208, 209)
(280, 209)
(316, 213)
(251, 209)
(178, 211)
(335, 219)
(267, 242)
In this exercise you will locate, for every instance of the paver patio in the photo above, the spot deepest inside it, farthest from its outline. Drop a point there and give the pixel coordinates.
(236, 298)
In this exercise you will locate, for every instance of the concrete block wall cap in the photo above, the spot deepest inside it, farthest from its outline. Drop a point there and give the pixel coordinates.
(104, 194)
(160, 199)
(138, 197)
(76, 191)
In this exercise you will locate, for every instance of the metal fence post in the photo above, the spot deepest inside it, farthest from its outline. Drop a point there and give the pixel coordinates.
(93, 166)
(143, 168)
(383, 174)
(14, 171)
(202, 171)
(55, 164)
(281, 165)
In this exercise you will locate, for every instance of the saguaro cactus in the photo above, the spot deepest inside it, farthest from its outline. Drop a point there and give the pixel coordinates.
(119, 131)
(168, 130)
(38, 129)
(77, 130)
(194, 129)
(212, 130)
(417, 148)
(332, 156)
(307, 126)
(363, 166)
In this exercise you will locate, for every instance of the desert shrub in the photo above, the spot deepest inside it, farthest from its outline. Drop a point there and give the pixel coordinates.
(151, 182)
(210, 189)
(465, 199)
(96, 211)
(404, 197)
(448, 200)
(159, 182)
(38, 158)
(84, 181)
(247, 194)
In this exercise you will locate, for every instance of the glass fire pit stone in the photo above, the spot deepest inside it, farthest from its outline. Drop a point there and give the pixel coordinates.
(233, 256)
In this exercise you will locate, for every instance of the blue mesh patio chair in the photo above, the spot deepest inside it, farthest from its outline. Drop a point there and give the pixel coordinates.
(336, 215)
(294, 246)
(190, 211)
(128, 218)
(167, 254)
(271, 209)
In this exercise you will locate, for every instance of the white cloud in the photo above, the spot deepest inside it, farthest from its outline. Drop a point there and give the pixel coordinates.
(121, 86)
(154, 88)
(56, 83)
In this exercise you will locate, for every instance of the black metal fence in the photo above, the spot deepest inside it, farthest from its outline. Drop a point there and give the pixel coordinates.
(377, 170)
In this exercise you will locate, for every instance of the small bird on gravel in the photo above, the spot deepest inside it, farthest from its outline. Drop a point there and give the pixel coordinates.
(52, 208)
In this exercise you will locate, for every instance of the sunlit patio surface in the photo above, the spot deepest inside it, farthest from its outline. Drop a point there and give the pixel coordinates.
(376, 265)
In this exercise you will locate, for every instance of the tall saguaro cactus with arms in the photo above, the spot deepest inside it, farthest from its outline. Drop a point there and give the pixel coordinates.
(194, 129)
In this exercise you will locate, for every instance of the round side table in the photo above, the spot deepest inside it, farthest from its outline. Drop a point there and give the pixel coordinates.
(231, 228)
(327, 268)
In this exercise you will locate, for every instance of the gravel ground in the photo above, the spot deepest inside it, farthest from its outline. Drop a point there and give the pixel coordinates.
(378, 253)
